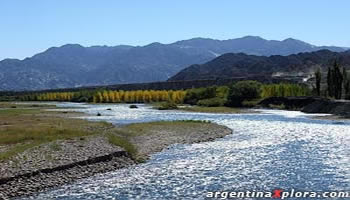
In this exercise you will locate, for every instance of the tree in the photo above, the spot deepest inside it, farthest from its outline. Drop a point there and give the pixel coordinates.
(243, 90)
(338, 80)
(111, 96)
(116, 96)
(330, 83)
(335, 79)
(346, 82)
(105, 96)
(318, 76)
(98, 98)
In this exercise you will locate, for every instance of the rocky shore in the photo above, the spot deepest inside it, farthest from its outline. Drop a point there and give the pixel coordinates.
(62, 162)
(58, 163)
(339, 108)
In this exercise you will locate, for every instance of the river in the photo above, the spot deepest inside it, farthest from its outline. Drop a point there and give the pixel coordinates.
(269, 150)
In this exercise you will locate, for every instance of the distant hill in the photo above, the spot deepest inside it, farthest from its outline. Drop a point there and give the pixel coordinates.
(238, 65)
(73, 65)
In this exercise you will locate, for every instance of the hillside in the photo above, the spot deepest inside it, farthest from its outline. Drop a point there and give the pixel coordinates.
(73, 65)
(237, 65)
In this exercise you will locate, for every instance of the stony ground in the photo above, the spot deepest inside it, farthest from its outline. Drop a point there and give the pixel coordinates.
(30, 185)
(55, 154)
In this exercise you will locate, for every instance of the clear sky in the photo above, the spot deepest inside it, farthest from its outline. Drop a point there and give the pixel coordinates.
(31, 26)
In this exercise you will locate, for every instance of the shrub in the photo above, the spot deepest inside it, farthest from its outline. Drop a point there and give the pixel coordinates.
(243, 90)
(212, 102)
(194, 95)
(169, 105)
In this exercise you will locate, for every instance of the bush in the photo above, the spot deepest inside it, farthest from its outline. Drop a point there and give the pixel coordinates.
(169, 105)
(243, 90)
(212, 102)
(194, 95)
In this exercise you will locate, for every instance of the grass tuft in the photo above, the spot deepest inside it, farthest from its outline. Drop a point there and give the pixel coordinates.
(122, 142)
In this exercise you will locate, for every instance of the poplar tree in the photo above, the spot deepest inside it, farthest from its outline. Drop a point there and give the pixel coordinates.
(318, 76)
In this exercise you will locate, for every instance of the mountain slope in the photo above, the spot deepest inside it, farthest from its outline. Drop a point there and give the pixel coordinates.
(238, 65)
(73, 65)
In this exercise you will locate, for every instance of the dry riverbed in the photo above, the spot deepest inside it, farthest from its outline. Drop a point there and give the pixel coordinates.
(40, 149)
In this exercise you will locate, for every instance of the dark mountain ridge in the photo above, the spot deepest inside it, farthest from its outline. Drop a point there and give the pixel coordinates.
(237, 65)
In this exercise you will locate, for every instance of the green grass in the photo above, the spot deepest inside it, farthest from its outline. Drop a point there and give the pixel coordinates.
(25, 126)
(211, 109)
(15, 136)
(17, 149)
(23, 139)
(122, 142)
(138, 129)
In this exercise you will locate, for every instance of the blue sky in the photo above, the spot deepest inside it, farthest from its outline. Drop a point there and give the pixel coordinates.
(31, 26)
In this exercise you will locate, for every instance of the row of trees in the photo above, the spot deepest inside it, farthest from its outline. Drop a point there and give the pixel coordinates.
(338, 82)
(109, 96)
(234, 95)
(242, 92)
(139, 96)
(284, 90)
(50, 96)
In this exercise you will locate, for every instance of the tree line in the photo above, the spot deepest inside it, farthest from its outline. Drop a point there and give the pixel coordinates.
(139, 96)
(284, 90)
(110, 96)
(242, 93)
(338, 82)
(214, 96)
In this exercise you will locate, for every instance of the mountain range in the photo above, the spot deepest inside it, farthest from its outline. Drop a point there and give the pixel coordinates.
(73, 65)
(237, 65)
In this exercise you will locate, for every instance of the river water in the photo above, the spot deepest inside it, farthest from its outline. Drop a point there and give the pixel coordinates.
(267, 150)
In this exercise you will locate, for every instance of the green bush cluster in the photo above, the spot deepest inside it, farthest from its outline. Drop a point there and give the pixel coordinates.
(212, 102)
(242, 91)
(211, 96)
(168, 105)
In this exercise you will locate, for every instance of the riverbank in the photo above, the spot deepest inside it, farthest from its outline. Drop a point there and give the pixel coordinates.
(339, 108)
(200, 109)
(80, 149)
